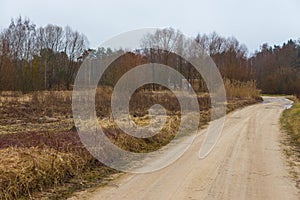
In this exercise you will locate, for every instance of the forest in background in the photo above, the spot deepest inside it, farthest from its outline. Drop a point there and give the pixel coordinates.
(47, 58)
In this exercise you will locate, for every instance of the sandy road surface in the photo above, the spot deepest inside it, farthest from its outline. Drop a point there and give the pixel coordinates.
(247, 163)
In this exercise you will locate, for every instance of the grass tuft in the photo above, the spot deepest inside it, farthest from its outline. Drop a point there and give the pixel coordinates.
(26, 169)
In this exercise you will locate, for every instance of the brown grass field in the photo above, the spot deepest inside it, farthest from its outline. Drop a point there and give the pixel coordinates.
(41, 153)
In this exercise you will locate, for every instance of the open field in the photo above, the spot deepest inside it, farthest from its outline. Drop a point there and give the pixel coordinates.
(41, 152)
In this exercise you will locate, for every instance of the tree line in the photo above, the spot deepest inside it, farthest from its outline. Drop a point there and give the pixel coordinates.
(46, 58)
(39, 58)
(276, 69)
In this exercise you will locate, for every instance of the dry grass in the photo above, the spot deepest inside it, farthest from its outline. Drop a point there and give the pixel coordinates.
(237, 89)
(39, 149)
(26, 169)
(144, 145)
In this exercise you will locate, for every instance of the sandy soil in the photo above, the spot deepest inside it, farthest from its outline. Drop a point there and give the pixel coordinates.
(246, 163)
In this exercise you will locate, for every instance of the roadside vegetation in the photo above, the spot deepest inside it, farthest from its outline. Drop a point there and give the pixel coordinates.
(290, 122)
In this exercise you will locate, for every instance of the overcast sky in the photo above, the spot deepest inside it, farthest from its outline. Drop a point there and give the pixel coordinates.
(252, 22)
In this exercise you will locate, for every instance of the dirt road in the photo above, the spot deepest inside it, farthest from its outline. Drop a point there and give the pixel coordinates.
(246, 163)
